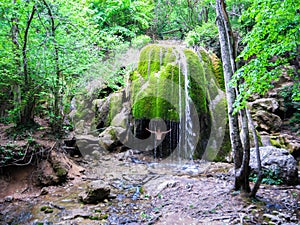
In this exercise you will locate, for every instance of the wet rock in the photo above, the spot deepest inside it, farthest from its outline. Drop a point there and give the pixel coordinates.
(109, 139)
(9, 198)
(155, 187)
(278, 160)
(266, 121)
(95, 192)
(96, 154)
(77, 213)
(44, 191)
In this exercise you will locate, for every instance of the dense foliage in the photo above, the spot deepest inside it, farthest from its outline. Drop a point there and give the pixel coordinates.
(49, 49)
(272, 47)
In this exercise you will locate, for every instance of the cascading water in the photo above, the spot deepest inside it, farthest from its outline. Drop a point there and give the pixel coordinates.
(186, 143)
(171, 96)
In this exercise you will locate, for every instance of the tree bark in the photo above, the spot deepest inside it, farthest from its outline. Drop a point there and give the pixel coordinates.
(228, 69)
(260, 173)
(28, 101)
(58, 120)
(17, 57)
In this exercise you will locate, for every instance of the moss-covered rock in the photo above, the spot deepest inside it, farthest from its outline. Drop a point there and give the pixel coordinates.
(159, 96)
(178, 86)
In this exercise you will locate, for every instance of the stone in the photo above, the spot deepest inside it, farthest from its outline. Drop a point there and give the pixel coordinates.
(96, 191)
(266, 104)
(96, 154)
(271, 218)
(276, 159)
(44, 191)
(109, 139)
(9, 198)
(87, 143)
(102, 112)
(266, 121)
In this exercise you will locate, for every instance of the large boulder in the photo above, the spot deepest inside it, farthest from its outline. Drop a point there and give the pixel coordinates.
(109, 139)
(86, 144)
(95, 192)
(278, 160)
(267, 104)
(267, 121)
(173, 89)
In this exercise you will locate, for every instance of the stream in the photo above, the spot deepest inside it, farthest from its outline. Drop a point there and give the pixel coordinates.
(144, 192)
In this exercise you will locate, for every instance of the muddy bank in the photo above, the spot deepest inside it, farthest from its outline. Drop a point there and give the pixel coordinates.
(152, 193)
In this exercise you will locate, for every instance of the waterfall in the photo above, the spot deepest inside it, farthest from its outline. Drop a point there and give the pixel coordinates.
(186, 132)
(175, 86)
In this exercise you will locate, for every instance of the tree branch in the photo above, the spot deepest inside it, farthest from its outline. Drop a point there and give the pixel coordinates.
(24, 49)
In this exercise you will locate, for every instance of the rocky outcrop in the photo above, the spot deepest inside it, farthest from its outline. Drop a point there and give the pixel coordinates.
(168, 91)
(272, 113)
(277, 160)
(287, 141)
(95, 192)
(265, 114)
(110, 139)
(57, 169)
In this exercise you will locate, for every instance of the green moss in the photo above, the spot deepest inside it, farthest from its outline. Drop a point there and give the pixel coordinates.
(134, 76)
(276, 142)
(115, 105)
(94, 217)
(225, 148)
(197, 82)
(150, 60)
(60, 171)
(213, 68)
(104, 216)
(169, 56)
(43, 208)
(159, 96)
(49, 210)
(218, 71)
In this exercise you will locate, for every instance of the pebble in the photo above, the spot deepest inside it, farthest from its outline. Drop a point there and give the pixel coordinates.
(271, 217)
(44, 191)
(9, 198)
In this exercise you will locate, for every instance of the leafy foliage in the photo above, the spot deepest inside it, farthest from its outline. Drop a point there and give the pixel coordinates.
(50, 44)
(292, 109)
(140, 41)
(173, 19)
(272, 47)
(121, 20)
(205, 35)
(270, 177)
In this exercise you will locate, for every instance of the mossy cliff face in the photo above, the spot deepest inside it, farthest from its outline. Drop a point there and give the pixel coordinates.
(179, 87)
(160, 83)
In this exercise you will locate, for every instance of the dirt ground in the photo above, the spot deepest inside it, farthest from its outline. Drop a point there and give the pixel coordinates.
(142, 192)
(197, 193)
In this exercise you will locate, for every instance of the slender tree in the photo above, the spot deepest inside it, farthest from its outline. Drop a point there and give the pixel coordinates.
(240, 146)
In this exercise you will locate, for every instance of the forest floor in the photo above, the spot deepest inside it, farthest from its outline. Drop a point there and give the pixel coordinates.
(143, 191)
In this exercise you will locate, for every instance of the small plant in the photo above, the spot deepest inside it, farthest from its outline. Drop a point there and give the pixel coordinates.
(140, 41)
(145, 215)
(271, 177)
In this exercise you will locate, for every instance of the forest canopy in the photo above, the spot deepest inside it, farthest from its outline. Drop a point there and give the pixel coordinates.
(47, 46)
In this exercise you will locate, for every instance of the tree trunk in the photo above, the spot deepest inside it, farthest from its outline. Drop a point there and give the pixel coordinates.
(17, 57)
(260, 173)
(57, 120)
(28, 100)
(226, 42)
